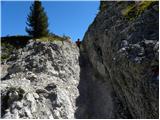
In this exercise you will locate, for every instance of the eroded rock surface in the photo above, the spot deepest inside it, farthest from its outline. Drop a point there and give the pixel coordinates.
(114, 75)
(124, 60)
(41, 82)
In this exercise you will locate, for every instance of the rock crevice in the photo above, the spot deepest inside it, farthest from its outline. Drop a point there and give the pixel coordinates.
(114, 74)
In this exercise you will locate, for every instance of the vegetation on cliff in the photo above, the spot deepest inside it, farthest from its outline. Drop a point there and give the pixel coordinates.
(134, 9)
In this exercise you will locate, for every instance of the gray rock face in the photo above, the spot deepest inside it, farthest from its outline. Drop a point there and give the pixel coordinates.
(41, 82)
(114, 75)
(124, 62)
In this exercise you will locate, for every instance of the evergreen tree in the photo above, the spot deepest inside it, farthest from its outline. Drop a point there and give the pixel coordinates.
(37, 21)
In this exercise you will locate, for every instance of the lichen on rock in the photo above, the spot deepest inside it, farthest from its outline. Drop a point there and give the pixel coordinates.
(127, 52)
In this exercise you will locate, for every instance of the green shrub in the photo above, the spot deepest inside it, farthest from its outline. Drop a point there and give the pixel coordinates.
(52, 37)
(6, 51)
(16, 41)
(49, 39)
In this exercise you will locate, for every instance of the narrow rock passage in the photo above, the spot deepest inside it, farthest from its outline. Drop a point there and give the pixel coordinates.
(83, 100)
(95, 100)
(114, 75)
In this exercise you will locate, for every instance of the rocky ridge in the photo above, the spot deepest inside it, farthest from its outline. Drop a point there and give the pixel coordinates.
(41, 82)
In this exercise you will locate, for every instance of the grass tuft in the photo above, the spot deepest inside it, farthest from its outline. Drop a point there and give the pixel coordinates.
(134, 10)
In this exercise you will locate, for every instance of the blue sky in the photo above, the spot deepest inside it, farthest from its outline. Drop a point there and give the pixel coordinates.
(70, 18)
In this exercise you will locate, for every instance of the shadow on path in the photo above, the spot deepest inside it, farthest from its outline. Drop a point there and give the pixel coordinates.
(83, 101)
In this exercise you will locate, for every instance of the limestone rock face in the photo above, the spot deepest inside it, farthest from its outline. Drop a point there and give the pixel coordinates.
(41, 81)
(123, 54)
(115, 74)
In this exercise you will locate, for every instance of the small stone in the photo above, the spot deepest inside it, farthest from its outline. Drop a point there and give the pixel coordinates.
(36, 95)
(56, 114)
(28, 113)
(30, 97)
(19, 105)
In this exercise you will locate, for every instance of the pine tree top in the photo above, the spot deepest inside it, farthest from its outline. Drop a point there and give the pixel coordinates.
(37, 21)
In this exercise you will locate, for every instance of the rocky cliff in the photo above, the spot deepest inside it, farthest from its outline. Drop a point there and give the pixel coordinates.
(122, 48)
(40, 81)
(114, 74)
